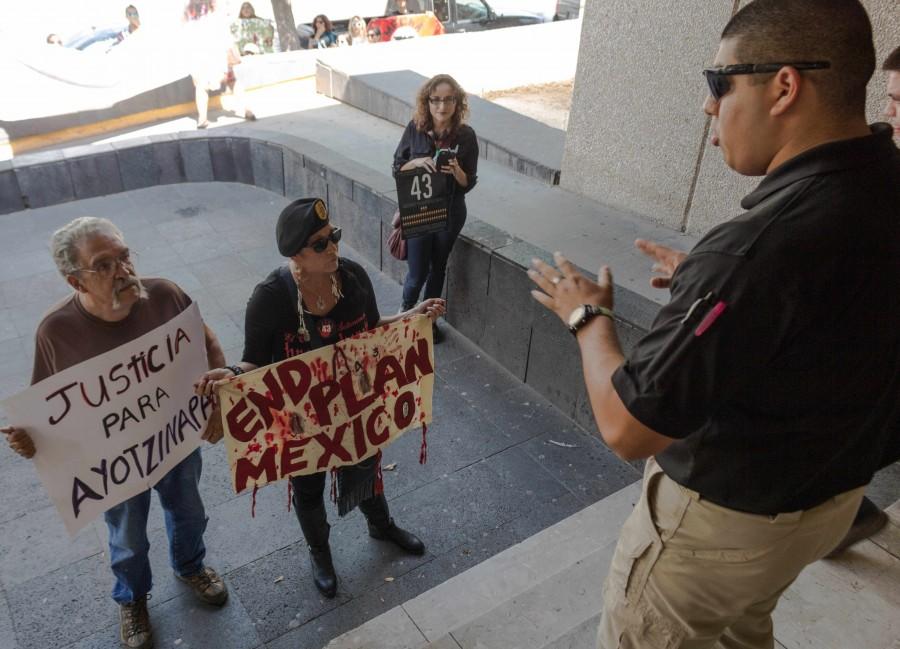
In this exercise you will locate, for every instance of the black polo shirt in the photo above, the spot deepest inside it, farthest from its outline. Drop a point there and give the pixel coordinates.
(776, 364)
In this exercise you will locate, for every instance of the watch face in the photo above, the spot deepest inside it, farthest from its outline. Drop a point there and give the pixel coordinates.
(576, 316)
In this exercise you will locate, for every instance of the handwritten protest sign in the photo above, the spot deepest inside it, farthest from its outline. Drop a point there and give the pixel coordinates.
(113, 426)
(330, 407)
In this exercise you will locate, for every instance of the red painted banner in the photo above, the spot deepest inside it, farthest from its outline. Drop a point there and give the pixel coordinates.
(330, 407)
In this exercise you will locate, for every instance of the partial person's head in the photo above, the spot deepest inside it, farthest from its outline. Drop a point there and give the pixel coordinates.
(196, 9)
(91, 254)
(321, 21)
(54, 39)
(306, 236)
(134, 18)
(892, 108)
(357, 29)
(401, 6)
(441, 103)
(247, 11)
(827, 57)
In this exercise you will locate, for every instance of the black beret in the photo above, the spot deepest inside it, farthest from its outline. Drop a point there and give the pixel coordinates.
(297, 222)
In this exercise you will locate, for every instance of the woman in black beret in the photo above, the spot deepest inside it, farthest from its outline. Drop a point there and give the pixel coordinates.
(336, 299)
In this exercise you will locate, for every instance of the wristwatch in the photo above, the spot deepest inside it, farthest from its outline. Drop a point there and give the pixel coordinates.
(235, 369)
(583, 314)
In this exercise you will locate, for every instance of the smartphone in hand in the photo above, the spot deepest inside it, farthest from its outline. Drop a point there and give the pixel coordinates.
(443, 157)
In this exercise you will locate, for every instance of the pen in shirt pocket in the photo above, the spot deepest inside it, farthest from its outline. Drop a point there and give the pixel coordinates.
(713, 309)
(696, 321)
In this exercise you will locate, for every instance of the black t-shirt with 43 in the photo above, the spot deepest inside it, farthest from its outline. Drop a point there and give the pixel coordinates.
(271, 321)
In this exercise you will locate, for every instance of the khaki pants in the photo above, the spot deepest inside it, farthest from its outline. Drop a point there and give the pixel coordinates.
(689, 574)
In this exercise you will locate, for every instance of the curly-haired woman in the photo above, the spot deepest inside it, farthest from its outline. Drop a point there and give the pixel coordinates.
(438, 123)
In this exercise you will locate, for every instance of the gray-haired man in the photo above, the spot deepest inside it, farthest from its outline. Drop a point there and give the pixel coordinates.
(110, 306)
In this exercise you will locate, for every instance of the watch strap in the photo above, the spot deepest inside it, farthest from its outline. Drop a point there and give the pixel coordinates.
(590, 312)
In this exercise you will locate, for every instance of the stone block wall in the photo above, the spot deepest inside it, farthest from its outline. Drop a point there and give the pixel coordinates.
(487, 288)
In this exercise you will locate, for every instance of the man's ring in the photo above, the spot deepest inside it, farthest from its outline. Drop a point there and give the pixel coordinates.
(555, 280)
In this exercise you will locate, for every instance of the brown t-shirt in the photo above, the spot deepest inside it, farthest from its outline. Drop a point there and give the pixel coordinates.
(69, 335)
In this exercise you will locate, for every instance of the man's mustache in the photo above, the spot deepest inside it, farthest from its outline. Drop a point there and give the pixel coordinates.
(126, 284)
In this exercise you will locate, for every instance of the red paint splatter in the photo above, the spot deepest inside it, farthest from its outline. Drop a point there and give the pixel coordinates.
(310, 413)
(423, 451)
(253, 447)
(270, 439)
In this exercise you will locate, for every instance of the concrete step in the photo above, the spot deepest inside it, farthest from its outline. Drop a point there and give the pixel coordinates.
(580, 637)
(852, 602)
(547, 612)
(545, 592)
(530, 595)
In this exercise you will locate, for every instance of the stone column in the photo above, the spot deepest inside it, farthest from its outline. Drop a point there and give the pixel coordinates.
(637, 137)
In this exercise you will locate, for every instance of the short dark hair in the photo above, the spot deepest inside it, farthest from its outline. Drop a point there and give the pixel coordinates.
(838, 31)
(892, 62)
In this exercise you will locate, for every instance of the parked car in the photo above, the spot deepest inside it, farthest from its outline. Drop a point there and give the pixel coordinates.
(567, 9)
(477, 15)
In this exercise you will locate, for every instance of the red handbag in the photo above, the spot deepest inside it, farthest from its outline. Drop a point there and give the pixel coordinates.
(396, 243)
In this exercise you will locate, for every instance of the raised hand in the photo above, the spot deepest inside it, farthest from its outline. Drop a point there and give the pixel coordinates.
(19, 441)
(564, 290)
(666, 260)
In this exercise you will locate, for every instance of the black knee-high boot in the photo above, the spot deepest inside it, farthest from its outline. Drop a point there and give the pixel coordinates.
(314, 523)
(383, 528)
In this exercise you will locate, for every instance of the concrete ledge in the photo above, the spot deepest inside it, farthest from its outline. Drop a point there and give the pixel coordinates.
(501, 132)
(487, 284)
(253, 72)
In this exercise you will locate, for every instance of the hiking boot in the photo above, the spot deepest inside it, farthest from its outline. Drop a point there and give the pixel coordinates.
(134, 625)
(207, 586)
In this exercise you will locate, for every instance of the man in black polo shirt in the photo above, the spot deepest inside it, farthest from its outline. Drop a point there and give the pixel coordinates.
(768, 390)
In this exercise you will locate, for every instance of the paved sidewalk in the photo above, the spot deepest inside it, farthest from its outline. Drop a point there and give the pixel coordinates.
(503, 463)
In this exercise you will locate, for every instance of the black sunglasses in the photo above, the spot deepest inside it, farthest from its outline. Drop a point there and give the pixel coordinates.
(719, 84)
(321, 244)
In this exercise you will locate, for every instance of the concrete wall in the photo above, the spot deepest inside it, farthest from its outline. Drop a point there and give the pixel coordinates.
(637, 138)
(486, 281)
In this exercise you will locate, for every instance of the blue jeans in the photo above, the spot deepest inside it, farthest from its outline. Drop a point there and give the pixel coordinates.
(185, 524)
(427, 257)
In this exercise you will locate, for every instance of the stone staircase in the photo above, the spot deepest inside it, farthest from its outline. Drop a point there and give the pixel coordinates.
(540, 594)
(545, 592)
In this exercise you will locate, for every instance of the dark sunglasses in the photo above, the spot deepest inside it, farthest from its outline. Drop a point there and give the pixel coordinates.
(719, 83)
(321, 244)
